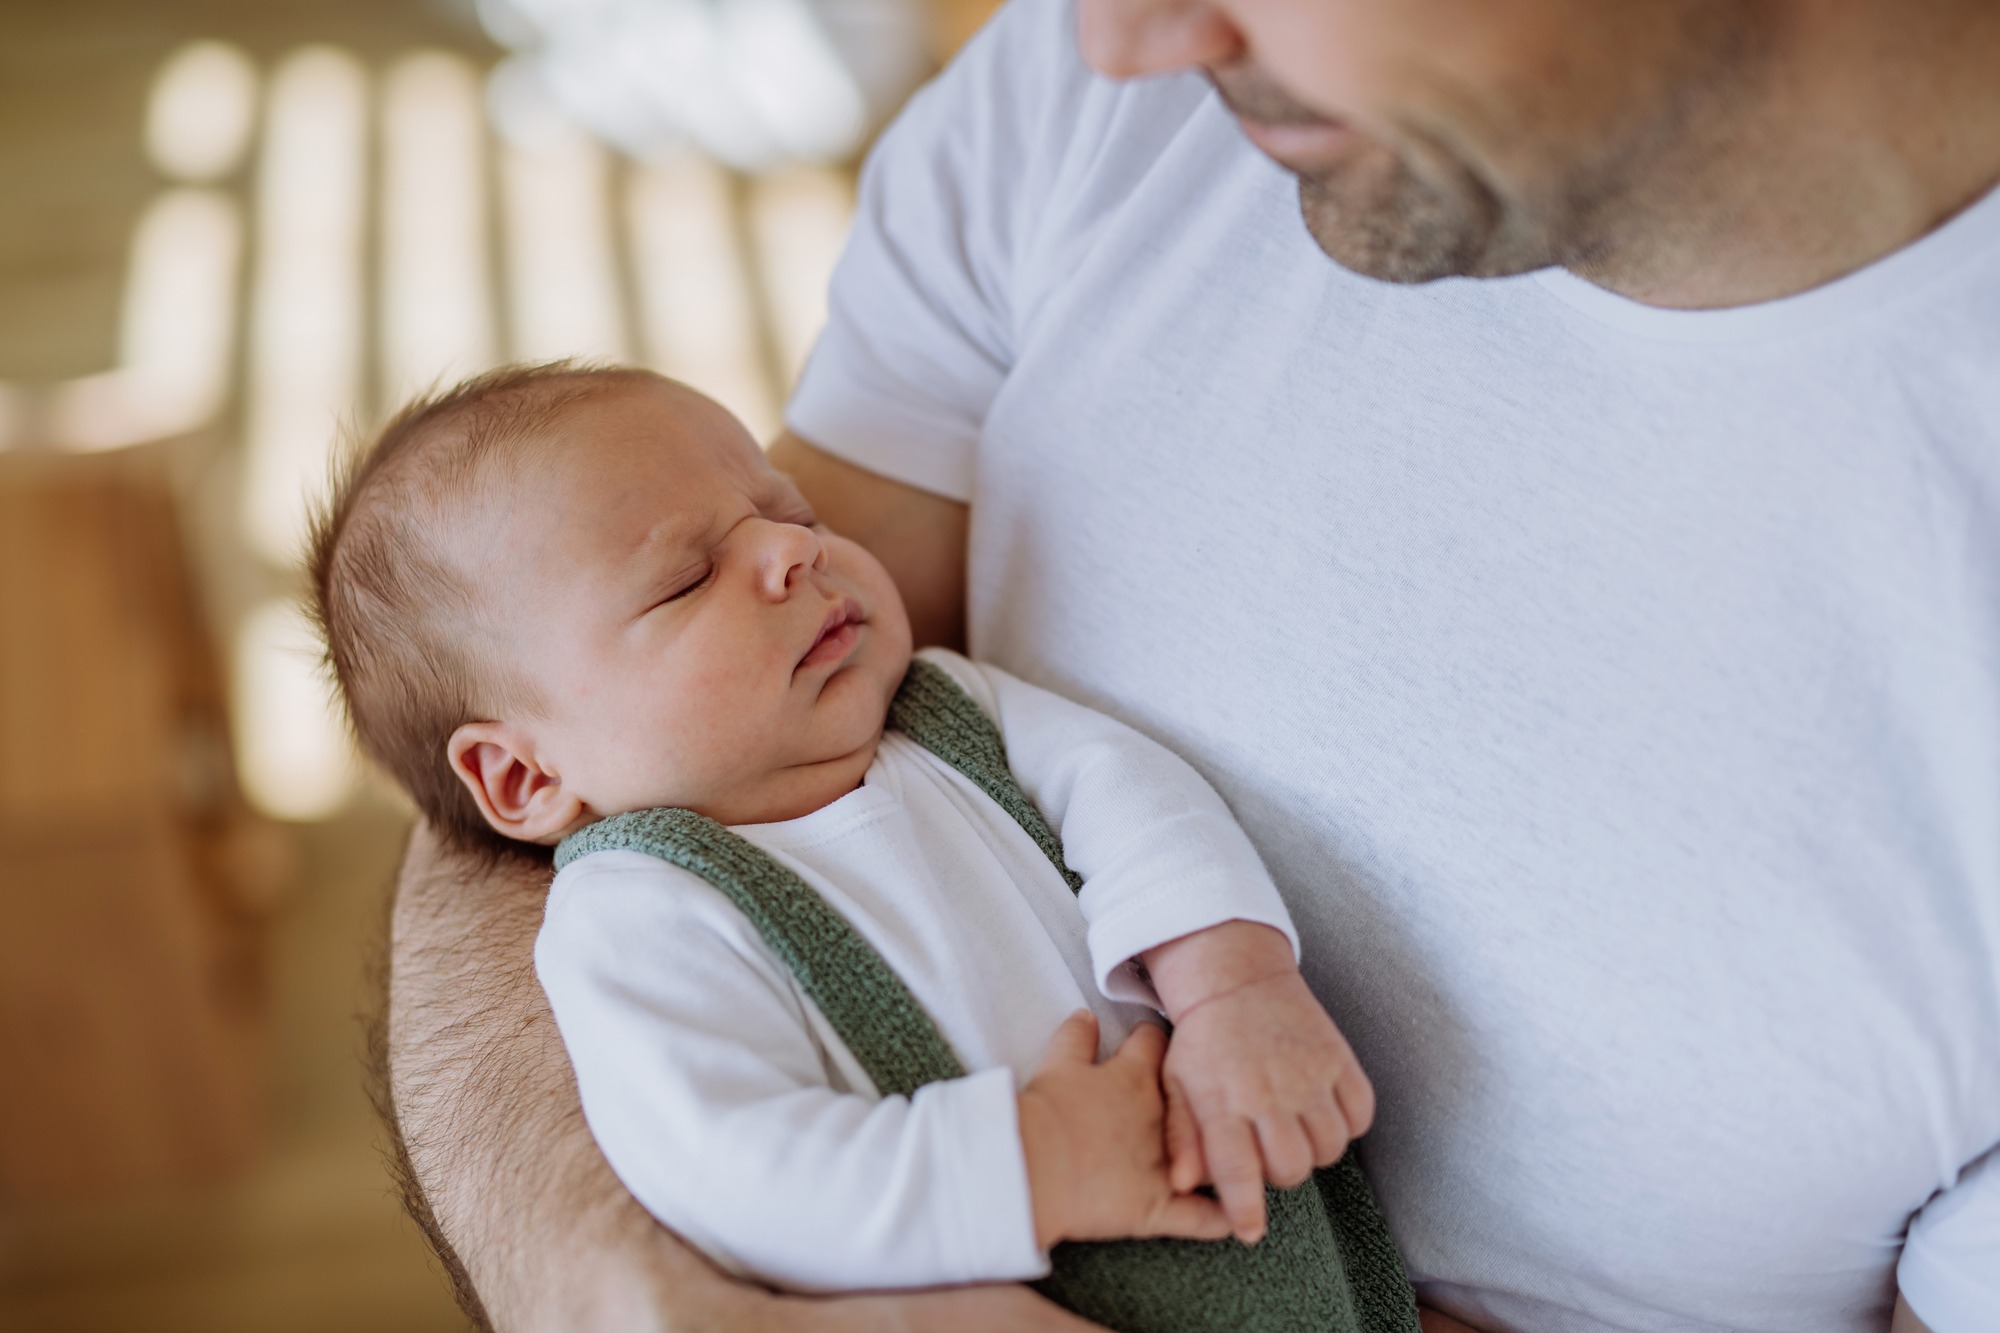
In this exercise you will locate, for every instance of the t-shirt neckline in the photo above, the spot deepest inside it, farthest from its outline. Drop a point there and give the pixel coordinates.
(1962, 239)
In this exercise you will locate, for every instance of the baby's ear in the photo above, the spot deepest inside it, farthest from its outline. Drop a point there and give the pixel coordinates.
(520, 797)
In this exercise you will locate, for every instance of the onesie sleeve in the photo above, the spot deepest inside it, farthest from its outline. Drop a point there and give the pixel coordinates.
(717, 1105)
(1159, 852)
(922, 308)
(1950, 1269)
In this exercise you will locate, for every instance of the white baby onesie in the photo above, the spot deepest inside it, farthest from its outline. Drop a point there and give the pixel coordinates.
(736, 1115)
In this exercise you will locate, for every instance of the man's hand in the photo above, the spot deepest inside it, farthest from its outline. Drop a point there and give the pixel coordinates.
(1094, 1137)
(1260, 1084)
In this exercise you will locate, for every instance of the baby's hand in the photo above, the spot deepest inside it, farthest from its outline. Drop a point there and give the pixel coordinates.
(1095, 1142)
(1260, 1084)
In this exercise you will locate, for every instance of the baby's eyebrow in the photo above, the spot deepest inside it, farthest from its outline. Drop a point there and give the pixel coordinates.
(777, 494)
(671, 537)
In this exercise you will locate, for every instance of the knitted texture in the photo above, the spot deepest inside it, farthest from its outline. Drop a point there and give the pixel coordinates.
(1382, 1295)
(932, 710)
(867, 1004)
(1326, 1263)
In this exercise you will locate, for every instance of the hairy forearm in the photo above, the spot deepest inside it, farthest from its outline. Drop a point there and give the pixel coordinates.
(487, 1108)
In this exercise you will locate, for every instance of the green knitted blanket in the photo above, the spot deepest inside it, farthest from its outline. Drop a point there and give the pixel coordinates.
(1326, 1263)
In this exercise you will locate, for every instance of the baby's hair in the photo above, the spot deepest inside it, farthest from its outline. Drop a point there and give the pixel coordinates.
(400, 623)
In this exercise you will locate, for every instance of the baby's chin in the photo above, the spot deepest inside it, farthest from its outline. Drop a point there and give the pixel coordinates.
(792, 792)
(813, 759)
(793, 782)
(853, 709)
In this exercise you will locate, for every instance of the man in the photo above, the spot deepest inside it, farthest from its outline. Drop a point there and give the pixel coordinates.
(1605, 655)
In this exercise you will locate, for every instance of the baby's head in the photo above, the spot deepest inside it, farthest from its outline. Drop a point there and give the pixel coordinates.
(557, 593)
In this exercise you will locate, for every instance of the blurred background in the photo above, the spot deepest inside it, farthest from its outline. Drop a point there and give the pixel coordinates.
(230, 230)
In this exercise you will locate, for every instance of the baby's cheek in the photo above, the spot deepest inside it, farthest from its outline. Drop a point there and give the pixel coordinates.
(719, 736)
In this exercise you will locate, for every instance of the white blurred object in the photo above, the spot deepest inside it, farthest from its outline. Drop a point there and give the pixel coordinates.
(754, 83)
(177, 330)
(292, 748)
(305, 332)
(696, 310)
(799, 220)
(562, 270)
(203, 105)
(437, 313)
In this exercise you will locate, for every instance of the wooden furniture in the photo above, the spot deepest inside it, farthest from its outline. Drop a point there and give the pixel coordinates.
(131, 955)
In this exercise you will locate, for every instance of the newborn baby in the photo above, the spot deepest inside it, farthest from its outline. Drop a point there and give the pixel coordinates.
(556, 596)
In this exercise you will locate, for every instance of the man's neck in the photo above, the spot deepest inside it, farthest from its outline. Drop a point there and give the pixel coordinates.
(1874, 123)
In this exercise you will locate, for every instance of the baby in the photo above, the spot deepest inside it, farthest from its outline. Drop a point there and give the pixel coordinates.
(554, 596)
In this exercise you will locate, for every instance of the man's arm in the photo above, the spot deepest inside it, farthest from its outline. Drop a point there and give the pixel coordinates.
(501, 1165)
(1905, 1319)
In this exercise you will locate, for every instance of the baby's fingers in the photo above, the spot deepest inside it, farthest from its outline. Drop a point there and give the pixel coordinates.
(1074, 1043)
(1143, 1051)
(1185, 1168)
(1238, 1172)
(1191, 1217)
(1328, 1131)
(1357, 1099)
(1288, 1155)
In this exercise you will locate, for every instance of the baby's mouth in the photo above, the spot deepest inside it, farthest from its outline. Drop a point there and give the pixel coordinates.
(837, 636)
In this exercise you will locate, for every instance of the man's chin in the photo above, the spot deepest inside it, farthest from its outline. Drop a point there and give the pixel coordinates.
(1378, 220)
(1382, 221)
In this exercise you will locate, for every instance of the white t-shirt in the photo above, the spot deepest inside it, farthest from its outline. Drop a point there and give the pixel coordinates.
(735, 1113)
(1613, 692)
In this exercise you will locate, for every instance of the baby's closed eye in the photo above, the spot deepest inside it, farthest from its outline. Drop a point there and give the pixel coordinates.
(683, 584)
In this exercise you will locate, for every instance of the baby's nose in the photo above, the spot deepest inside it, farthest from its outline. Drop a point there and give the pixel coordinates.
(789, 550)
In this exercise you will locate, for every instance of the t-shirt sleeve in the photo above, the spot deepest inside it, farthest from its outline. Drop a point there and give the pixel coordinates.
(921, 313)
(1950, 1269)
(706, 1088)
(1159, 852)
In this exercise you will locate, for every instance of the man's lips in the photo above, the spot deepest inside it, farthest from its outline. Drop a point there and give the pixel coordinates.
(1298, 144)
(837, 635)
(1282, 126)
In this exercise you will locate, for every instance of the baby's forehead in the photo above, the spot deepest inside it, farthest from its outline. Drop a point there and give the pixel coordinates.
(648, 429)
(628, 456)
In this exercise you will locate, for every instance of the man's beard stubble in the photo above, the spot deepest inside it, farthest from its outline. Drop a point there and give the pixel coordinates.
(1420, 213)
(1374, 214)
(1381, 219)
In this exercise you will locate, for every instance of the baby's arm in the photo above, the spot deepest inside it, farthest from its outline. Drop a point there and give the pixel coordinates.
(1257, 1074)
(1260, 1083)
(1160, 855)
(705, 1087)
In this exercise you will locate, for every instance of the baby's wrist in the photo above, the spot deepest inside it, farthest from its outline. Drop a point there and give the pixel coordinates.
(1188, 1010)
(1196, 969)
